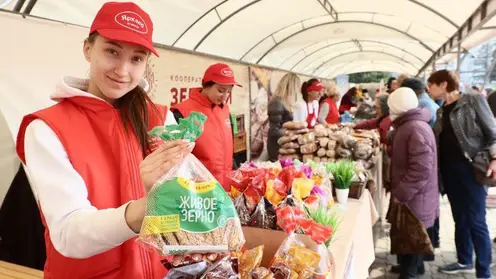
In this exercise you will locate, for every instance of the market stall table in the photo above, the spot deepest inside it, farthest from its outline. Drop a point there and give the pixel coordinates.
(353, 246)
(11, 271)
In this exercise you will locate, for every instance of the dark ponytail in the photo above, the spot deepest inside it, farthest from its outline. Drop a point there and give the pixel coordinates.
(304, 88)
(133, 110)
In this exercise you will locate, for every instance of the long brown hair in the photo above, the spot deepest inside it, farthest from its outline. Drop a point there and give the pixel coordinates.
(133, 110)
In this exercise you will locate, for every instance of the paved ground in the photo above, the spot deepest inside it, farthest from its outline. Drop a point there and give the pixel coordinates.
(444, 255)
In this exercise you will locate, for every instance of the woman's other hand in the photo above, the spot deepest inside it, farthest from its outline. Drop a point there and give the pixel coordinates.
(160, 161)
(491, 170)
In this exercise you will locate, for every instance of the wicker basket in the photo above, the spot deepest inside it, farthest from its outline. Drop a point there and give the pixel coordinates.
(356, 189)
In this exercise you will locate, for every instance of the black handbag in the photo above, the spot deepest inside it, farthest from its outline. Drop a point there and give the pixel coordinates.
(481, 162)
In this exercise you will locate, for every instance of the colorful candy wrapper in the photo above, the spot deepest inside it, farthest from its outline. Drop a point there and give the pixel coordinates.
(301, 258)
(289, 218)
(287, 175)
(275, 191)
(242, 210)
(307, 171)
(313, 199)
(301, 188)
(317, 232)
(286, 162)
(250, 260)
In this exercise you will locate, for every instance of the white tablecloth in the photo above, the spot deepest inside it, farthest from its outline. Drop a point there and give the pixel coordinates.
(353, 245)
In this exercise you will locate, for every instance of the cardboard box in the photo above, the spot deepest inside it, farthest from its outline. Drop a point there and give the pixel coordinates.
(272, 240)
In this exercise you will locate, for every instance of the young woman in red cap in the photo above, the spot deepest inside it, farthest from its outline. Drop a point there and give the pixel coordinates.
(214, 148)
(308, 109)
(89, 157)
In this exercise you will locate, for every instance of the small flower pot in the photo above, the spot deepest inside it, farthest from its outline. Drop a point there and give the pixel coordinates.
(342, 195)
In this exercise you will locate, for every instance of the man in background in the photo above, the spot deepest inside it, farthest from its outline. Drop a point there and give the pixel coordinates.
(425, 100)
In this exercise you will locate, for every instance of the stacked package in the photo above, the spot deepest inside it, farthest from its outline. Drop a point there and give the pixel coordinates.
(328, 143)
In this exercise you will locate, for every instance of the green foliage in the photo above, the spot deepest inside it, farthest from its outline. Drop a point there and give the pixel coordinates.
(343, 172)
(369, 77)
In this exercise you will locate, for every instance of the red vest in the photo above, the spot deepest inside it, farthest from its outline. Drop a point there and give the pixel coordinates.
(107, 158)
(333, 115)
(214, 148)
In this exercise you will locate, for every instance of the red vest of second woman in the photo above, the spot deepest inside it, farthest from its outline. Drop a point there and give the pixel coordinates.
(214, 148)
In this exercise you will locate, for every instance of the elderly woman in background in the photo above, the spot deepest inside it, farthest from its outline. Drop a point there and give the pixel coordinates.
(280, 111)
(413, 168)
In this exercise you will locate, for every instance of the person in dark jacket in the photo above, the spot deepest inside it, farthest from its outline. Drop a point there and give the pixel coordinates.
(425, 101)
(464, 127)
(280, 111)
(413, 167)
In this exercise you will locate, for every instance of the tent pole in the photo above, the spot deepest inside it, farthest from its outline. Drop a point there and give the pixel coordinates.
(18, 5)
(29, 7)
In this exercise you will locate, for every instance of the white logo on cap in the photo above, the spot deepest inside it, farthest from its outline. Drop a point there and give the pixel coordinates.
(131, 20)
(226, 72)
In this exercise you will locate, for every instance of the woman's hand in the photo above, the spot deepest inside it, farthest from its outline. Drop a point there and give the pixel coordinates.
(491, 170)
(160, 161)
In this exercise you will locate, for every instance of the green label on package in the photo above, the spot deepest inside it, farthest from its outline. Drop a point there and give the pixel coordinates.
(182, 204)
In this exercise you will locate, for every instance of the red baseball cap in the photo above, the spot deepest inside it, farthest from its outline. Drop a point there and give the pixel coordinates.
(220, 73)
(125, 22)
(316, 86)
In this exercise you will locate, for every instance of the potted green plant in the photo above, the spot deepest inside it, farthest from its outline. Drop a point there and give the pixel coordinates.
(343, 172)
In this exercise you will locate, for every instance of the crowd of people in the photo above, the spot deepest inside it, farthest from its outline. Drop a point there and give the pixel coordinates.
(438, 141)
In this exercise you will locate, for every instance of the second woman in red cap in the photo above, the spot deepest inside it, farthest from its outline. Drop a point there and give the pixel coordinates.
(214, 148)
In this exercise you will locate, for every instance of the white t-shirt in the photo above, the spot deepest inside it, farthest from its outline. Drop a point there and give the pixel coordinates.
(301, 110)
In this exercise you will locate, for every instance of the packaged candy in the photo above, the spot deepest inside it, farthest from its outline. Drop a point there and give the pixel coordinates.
(275, 192)
(282, 271)
(261, 273)
(250, 260)
(317, 232)
(193, 271)
(301, 188)
(188, 211)
(289, 218)
(242, 210)
(286, 162)
(264, 216)
(288, 174)
(299, 257)
(252, 197)
(225, 268)
(312, 199)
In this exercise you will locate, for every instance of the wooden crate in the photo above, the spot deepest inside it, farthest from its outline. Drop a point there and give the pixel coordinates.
(11, 271)
(239, 142)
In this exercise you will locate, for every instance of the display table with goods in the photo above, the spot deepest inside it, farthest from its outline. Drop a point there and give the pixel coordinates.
(12, 271)
(279, 220)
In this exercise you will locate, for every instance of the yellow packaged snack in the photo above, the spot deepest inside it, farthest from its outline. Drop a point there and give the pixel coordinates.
(302, 187)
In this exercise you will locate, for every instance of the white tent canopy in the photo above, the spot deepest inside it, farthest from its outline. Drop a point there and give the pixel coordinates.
(306, 36)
